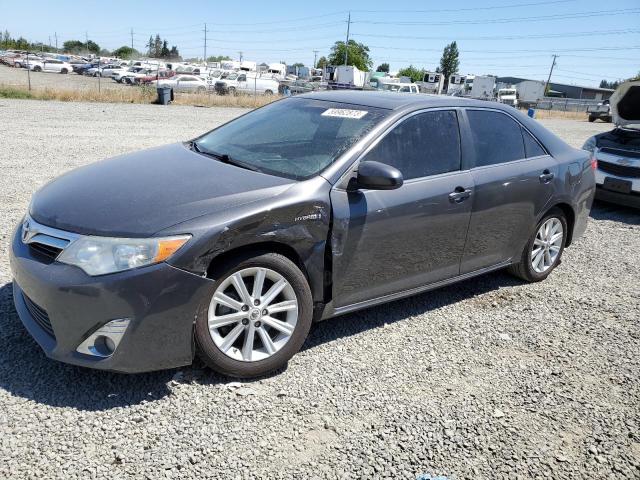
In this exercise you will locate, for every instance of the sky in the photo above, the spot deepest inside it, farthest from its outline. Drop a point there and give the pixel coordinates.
(594, 40)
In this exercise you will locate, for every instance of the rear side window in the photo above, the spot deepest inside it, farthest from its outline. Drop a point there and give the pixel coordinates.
(497, 138)
(531, 146)
(424, 144)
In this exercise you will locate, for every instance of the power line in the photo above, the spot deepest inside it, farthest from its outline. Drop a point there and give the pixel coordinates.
(562, 16)
(505, 37)
(469, 9)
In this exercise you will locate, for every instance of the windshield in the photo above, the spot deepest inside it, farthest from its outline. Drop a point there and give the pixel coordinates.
(294, 138)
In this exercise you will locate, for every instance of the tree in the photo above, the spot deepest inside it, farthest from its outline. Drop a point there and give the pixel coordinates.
(174, 54)
(356, 54)
(125, 52)
(413, 73)
(298, 64)
(322, 62)
(218, 58)
(149, 46)
(449, 63)
(93, 47)
(164, 51)
(383, 67)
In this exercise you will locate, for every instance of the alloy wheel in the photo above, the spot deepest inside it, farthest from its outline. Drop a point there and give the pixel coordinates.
(252, 314)
(547, 245)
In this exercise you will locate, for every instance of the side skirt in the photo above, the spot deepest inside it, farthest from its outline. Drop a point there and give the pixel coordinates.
(330, 311)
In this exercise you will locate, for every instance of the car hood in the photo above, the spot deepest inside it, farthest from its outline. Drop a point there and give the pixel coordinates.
(141, 193)
(625, 105)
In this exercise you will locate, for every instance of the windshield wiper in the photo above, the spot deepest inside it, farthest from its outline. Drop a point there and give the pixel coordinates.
(223, 157)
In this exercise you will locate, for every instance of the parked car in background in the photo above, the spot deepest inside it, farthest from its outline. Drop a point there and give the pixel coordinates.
(161, 75)
(130, 77)
(183, 83)
(104, 70)
(242, 83)
(229, 246)
(297, 87)
(617, 152)
(400, 87)
(49, 65)
(602, 111)
(81, 68)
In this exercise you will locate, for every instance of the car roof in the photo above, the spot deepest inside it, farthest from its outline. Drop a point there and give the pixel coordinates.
(398, 101)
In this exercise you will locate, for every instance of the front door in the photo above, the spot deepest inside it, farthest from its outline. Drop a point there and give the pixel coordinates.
(385, 242)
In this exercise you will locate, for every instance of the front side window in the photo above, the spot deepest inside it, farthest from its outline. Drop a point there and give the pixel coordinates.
(294, 138)
(424, 144)
(497, 138)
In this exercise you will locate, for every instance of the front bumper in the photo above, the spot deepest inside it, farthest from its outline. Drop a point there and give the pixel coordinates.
(161, 301)
(626, 199)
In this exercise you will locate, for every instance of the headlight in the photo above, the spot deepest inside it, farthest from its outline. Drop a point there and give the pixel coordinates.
(101, 255)
(590, 144)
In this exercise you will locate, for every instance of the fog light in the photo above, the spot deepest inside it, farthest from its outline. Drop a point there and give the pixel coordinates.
(104, 341)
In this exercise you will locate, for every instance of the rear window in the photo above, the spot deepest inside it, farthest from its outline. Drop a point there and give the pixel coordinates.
(294, 138)
(497, 138)
(531, 146)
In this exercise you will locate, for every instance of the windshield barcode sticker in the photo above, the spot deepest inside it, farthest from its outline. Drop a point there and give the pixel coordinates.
(344, 113)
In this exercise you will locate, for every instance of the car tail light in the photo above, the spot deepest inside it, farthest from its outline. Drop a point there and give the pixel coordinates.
(594, 162)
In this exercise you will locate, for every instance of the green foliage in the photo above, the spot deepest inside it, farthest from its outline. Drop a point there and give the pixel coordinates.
(78, 47)
(358, 55)
(9, 92)
(158, 48)
(21, 43)
(298, 64)
(125, 52)
(218, 58)
(413, 73)
(383, 67)
(450, 62)
(322, 62)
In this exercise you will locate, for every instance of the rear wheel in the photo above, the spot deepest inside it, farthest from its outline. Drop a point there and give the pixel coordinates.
(232, 90)
(64, 71)
(37, 69)
(544, 249)
(268, 92)
(257, 318)
(592, 118)
(201, 90)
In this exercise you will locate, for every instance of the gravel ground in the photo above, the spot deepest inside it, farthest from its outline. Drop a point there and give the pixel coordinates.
(18, 77)
(491, 378)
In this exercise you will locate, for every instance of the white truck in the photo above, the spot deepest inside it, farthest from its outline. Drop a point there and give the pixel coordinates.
(456, 85)
(432, 82)
(483, 87)
(530, 92)
(346, 76)
(508, 96)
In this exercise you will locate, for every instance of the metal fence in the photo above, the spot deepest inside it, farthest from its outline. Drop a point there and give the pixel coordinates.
(566, 104)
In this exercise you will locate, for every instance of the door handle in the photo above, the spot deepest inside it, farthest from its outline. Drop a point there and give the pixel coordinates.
(546, 176)
(460, 194)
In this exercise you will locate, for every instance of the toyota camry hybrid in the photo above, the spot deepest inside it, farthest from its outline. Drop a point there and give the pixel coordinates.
(230, 245)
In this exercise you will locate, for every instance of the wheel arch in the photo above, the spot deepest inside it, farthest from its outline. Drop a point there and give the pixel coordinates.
(570, 215)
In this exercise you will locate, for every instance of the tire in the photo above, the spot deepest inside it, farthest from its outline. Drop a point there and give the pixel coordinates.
(64, 71)
(592, 118)
(525, 269)
(37, 69)
(232, 90)
(268, 92)
(201, 90)
(234, 363)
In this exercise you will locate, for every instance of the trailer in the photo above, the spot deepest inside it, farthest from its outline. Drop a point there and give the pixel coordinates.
(483, 87)
(530, 92)
(432, 83)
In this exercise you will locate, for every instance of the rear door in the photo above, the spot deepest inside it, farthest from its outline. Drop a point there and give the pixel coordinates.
(385, 242)
(514, 178)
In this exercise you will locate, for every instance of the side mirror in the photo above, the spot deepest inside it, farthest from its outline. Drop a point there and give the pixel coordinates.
(378, 176)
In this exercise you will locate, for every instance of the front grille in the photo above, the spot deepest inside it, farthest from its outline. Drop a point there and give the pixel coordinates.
(619, 170)
(620, 152)
(39, 315)
(47, 251)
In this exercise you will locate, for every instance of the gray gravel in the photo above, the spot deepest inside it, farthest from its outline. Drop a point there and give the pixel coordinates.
(490, 378)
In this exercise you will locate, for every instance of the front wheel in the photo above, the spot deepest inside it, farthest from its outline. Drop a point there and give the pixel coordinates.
(257, 318)
(64, 71)
(544, 249)
(37, 69)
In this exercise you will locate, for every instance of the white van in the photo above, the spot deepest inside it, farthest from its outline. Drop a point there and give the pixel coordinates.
(241, 83)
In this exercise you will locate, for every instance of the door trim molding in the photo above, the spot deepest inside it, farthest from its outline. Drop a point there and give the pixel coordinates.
(329, 311)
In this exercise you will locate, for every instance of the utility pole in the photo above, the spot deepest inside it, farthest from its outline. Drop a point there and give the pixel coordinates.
(240, 53)
(205, 43)
(49, 41)
(86, 39)
(346, 44)
(131, 38)
(55, 35)
(553, 64)
(315, 58)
